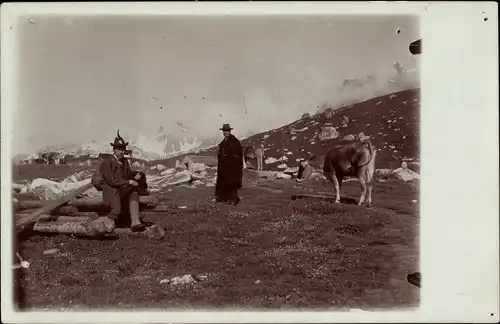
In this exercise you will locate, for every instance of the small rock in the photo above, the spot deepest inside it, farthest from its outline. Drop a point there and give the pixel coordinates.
(270, 160)
(102, 225)
(283, 176)
(292, 169)
(328, 132)
(50, 251)
(266, 136)
(168, 171)
(197, 167)
(155, 232)
(160, 167)
(257, 282)
(349, 137)
(404, 165)
(406, 175)
(197, 182)
(185, 279)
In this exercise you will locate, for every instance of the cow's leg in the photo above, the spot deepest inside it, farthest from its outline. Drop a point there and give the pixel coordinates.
(362, 181)
(369, 184)
(336, 183)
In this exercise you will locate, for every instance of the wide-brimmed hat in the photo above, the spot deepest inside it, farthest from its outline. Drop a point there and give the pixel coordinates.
(119, 142)
(226, 127)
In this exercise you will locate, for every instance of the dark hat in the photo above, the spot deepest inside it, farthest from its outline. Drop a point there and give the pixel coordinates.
(225, 127)
(119, 142)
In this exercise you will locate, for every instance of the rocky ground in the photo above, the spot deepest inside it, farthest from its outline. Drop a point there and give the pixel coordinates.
(269, 251)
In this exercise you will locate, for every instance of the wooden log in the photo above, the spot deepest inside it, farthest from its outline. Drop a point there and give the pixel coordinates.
(26, 221)
(63, 210)
(62, 219)
(82, 228)
(86, 214)
(146, 201)
(76, 214)
(97, 227)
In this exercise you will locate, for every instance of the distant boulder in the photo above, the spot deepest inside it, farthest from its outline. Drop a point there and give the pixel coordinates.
(328, 132)
(328, 113)
(306, 115)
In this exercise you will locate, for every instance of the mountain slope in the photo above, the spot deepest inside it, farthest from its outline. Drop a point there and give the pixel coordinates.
(391, 121)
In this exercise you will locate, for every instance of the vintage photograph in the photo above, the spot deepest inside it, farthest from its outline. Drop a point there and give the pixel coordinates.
(252, 162)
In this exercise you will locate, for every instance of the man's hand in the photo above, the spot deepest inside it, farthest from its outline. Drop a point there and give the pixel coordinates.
(137, 177)
(133, 183)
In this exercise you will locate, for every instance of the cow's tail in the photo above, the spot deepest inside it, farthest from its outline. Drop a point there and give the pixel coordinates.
(369, 145)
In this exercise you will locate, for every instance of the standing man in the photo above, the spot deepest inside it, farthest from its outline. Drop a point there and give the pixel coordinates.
(229, 168)
(120, 185)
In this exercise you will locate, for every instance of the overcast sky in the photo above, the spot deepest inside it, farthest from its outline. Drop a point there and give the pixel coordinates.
(82, 78)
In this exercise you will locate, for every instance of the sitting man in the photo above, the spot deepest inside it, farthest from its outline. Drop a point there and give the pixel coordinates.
(120, 185)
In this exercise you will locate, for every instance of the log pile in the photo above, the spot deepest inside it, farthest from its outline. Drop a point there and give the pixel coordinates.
(70, 215)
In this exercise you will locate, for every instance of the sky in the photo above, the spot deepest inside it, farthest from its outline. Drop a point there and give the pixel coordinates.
(81, 78)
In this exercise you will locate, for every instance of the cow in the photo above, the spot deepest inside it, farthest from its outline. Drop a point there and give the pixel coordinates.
(259, 155)
(355, 159)
(251, 153)
(248, 153)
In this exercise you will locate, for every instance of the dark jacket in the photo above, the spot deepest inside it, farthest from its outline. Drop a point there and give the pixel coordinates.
(230, 165)
(113, 178)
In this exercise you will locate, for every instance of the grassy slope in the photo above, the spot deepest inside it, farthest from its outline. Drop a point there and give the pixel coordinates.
(305, 254)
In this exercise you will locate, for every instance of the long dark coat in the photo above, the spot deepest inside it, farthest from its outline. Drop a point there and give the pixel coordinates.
(229, 165)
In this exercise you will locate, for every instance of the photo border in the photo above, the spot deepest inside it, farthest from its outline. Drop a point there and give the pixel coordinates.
(459, 154)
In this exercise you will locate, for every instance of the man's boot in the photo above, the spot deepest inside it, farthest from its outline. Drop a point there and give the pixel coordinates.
(135, 215)
(233, 198)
